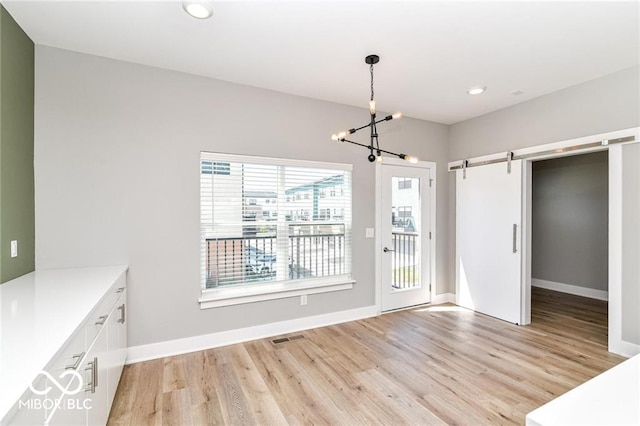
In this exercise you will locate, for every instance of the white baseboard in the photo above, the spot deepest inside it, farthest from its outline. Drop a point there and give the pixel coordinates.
(571, 289)
(443, 298)
(224, 338)
(626, 349)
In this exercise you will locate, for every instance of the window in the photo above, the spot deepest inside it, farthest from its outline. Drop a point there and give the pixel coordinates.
(404, 183)
(252, 253)
(404, 211)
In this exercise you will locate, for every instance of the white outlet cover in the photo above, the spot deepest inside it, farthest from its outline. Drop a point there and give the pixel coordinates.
(14, 248)
(370, 232)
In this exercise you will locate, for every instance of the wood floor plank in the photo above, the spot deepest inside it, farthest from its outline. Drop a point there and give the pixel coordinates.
(176, 408)
(147, 400)
(261, 402)
(428, 365)
(122, 407)
(205, 401)
(233, 401)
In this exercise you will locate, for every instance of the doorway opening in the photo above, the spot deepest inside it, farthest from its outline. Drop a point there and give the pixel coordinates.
(569, 242)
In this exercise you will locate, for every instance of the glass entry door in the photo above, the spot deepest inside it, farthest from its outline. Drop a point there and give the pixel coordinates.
(405, 257)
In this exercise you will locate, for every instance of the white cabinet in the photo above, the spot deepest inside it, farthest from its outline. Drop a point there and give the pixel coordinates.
(76, 382)
(101, 366)
(31, 411)
(117, 355)
(96, 379)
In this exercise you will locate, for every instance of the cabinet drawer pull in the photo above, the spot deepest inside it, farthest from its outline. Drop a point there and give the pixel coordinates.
(93, 366)
(102, 319)
(122, 314)
(95, 373)
(75, 365)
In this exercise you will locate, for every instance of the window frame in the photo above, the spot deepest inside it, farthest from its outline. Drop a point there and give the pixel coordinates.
(248, 293)
(404, 183)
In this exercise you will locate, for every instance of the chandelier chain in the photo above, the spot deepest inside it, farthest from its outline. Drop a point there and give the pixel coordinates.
(371, 72)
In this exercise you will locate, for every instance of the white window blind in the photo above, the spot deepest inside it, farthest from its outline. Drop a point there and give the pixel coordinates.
(266, 220)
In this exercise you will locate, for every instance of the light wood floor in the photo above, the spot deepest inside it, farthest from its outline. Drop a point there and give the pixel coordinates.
(438, 365)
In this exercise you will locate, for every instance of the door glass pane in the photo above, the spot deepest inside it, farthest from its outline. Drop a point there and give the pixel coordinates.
(405, 233)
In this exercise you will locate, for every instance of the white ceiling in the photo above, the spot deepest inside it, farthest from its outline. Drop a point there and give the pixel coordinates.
(431, 52)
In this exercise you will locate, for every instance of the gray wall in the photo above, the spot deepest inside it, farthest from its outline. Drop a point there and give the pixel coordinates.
(569, 215)
(605, 104)
(16, 149)
(631, 243)
(602, 105)
(117, 181)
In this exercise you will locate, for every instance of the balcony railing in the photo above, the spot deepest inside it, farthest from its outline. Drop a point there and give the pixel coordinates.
(405, 264)
(255, 258)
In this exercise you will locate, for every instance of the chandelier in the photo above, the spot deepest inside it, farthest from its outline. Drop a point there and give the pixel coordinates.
(375, 152)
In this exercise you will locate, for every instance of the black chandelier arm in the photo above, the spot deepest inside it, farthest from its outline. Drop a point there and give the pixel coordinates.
(370, 147)
(387, 118)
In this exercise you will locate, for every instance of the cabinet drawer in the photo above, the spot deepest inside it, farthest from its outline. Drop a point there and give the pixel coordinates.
(69, 358)
(99, 315)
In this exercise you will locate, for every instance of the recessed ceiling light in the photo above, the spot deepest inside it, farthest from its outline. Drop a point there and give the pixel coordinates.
(198, 9)
(476, 90)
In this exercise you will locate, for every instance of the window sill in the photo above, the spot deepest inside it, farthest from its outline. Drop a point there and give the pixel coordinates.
(215, 298)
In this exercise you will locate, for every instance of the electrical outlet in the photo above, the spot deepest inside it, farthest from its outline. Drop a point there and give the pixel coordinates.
(14, 248)
(369, 232)
(303, 300)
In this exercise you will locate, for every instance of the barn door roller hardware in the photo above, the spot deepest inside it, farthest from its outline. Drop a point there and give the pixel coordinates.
(510, 156)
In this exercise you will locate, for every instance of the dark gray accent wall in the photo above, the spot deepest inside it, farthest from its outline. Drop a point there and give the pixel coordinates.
(16, 149)
(569, 213)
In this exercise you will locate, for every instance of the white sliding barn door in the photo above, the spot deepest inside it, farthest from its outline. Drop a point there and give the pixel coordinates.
(488, 240)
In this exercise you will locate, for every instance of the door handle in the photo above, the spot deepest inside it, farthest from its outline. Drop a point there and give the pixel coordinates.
(515, 237)
(121, 319)
(386, 250)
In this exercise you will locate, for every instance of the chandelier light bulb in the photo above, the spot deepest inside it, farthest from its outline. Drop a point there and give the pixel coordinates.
(397, 115)
(334, 137)
(412, 159)
(372, 107)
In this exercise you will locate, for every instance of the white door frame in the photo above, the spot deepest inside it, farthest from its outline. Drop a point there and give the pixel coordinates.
(616, 345)
(378, 224)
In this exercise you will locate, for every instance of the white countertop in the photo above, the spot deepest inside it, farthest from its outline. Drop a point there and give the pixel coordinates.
(39, 312)
(612, 398)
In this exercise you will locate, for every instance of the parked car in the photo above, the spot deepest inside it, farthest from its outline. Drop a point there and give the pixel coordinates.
(263, 263)
(266, 264)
